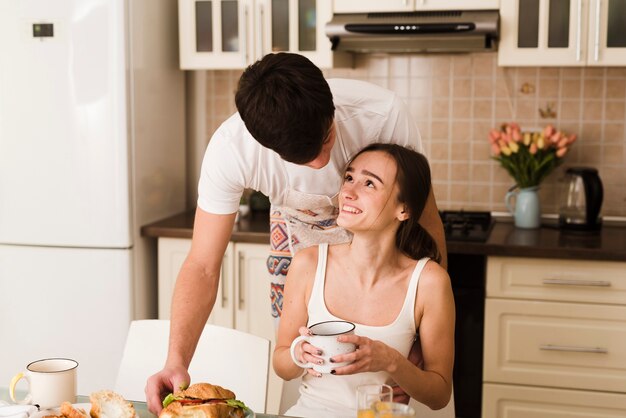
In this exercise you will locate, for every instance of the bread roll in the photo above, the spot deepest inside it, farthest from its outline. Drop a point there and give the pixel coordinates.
(108, 404)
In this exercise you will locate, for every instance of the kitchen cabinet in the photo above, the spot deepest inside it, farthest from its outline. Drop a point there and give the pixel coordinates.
(231, 34)
(557, 326)
(562, 33)
(240, 303)
(367, 6)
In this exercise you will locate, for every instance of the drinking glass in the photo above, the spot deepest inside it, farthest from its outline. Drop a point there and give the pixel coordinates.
(369, 395)
(393, 410)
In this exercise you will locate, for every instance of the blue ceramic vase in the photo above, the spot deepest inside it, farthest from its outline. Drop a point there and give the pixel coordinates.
(527, 210)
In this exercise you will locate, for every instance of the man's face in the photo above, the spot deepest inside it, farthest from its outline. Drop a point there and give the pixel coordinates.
(324, 156)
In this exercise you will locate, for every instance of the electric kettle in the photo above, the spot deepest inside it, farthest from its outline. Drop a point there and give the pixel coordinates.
(581, 200)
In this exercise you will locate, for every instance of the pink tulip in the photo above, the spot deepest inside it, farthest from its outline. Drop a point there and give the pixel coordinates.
(515, 126)
(533, 148)
(495, 149)
(505, 137)
(561, 152)
(548, 131)
(508, 130)
(517, 136)
(563, 142)
(556, 137)
(572, 139)
(494, 134)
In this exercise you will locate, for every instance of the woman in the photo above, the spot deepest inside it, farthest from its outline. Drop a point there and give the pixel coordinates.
(373, 282)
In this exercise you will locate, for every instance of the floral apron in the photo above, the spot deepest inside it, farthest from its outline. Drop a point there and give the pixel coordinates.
(304, 220)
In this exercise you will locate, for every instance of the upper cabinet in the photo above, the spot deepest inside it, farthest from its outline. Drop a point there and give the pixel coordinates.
(231, 34)
(562, 33)
(365, 6)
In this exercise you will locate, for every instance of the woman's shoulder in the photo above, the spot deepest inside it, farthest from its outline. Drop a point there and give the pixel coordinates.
(434, 276)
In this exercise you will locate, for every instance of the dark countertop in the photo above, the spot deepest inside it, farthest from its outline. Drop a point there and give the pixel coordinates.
(504, 240)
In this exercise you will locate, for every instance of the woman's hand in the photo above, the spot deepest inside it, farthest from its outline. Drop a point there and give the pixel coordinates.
(308, 353)
(370, 356)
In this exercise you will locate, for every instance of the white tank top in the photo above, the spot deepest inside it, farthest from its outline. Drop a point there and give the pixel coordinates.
(335, 396)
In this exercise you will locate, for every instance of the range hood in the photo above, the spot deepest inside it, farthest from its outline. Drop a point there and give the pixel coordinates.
(423, 31)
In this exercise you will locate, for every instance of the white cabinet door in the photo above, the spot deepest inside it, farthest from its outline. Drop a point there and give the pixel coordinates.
(171, 255)
(607, 33)
(543, 33)
(215, 34)
(367, 6)
(509, 401)
(231, 34)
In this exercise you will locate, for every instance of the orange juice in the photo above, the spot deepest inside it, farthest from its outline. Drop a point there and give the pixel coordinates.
(366, 413)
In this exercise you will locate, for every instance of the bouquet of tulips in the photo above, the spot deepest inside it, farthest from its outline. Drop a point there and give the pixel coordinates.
(529, 156)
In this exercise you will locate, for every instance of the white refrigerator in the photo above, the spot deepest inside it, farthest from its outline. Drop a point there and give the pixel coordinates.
(91, 148)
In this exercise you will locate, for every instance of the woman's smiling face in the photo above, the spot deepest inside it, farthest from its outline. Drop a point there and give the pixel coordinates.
(368, 195)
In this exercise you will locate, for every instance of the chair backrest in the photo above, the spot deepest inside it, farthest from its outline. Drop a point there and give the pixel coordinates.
(226, 357)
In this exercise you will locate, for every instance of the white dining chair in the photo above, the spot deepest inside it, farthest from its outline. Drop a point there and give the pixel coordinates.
(226, 357)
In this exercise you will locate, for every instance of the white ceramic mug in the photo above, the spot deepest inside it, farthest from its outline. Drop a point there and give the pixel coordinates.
(51, 381)
(324, 336)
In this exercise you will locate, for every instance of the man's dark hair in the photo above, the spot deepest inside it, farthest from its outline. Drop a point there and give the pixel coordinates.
(286, 105)
(413, 179)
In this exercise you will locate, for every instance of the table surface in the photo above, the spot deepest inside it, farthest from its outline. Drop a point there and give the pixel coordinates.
(140, 407)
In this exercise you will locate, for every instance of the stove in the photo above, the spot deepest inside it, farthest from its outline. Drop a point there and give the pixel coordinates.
(466, 225)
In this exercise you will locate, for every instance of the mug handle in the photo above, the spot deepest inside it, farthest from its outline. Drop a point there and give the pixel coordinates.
(28, 400)
(507, 200)
(292, 350)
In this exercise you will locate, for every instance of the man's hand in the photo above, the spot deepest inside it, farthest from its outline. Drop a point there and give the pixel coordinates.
(161, 384)
(415, 357)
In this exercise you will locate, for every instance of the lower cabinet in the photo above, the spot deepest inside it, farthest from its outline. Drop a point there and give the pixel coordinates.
(508, 401)
(555, 339)
(243, 297)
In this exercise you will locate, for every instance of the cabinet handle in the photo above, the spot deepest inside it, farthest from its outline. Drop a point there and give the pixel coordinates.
(579, 32)
(224, 293)
(573, 349)
(574, 282)
(240, 281)
(596, 55)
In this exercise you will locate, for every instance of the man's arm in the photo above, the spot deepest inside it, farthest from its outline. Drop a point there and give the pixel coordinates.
(431, 221)
(194, 296)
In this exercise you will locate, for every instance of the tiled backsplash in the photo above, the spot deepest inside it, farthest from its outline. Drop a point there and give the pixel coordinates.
(457, 99)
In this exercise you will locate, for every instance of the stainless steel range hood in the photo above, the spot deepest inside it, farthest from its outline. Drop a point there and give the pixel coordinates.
(427, 31)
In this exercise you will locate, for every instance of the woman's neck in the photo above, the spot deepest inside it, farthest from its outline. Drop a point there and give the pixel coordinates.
(373, 255)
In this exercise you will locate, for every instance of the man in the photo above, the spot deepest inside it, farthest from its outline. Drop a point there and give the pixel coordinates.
(291, 138)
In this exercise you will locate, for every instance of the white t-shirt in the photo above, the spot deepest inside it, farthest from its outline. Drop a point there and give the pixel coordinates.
(234, 160)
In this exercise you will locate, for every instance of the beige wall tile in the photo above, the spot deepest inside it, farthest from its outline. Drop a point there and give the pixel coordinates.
(481, 173)
(549, 72)
(593, 89)
(483, 65)
(592, 110)
(614, 132)
(441, 87)
(440, 150)
(483, 109)
(591, 132)
(439, 171)
(570, 109)
(462, 66)
(526, 109)
(504, 112)
(460, 151)
(481, 151)
(420, 109)
(420, 65)
(484, 87)
(461, 109)
(548, 88)
(459, 192)
(614, 154)
(400, 86)
(615, 111)
(571, 89)
(461, 87)
(398, 65)
(480, 193)
(441, 109)
(616, 89)
(439, 130)
(458, 171)
(618, 72)
(591, 72)
(420, 87)
(461, 131)
(442, 66)
(571, 72)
